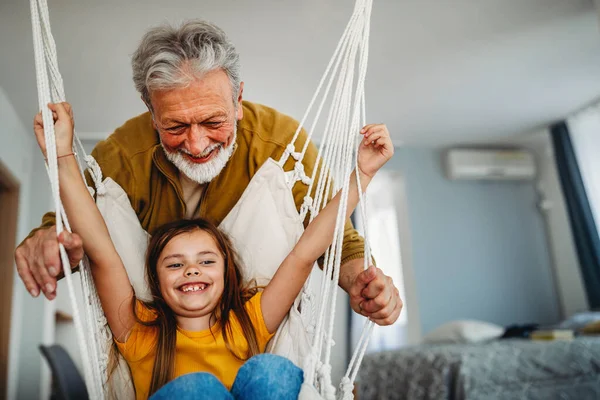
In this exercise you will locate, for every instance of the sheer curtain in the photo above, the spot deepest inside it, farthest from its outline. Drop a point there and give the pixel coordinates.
(579, 141)
(384, 238)
(584, 128)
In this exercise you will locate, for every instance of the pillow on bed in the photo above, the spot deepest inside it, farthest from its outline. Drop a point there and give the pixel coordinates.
(580, 320)
(466, 331)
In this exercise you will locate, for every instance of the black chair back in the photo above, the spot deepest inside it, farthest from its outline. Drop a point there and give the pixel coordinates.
(68, 383)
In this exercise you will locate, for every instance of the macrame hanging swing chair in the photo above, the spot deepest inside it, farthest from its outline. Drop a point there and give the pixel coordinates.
(306, 336)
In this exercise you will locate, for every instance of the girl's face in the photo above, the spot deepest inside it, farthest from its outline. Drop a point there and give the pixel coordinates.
(191, 272)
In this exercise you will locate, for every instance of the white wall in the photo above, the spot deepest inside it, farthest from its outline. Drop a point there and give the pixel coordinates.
(19, 153)
(478, 248)
(567, 275)
(439, 71)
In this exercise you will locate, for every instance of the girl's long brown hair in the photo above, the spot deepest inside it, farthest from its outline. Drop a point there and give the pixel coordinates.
(233, 299)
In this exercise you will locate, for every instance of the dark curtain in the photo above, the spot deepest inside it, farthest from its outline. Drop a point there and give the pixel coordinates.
(583, 226)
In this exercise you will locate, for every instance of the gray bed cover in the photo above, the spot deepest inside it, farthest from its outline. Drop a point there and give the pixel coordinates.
(502, 369)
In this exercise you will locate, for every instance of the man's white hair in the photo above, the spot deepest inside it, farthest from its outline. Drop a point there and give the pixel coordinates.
(172, 57)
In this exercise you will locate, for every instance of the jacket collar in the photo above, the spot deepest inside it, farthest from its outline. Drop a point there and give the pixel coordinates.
(166, 167)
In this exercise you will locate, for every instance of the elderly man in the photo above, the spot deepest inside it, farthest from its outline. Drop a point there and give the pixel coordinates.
(193, 154)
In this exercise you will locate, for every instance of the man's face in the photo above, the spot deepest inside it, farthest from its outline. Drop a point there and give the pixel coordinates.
(197, 124)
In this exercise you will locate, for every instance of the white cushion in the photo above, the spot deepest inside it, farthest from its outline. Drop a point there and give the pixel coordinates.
(264, 227)
(466, 331)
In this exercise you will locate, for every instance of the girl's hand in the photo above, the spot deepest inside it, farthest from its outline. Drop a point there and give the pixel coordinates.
(63, 128)
(375, 149)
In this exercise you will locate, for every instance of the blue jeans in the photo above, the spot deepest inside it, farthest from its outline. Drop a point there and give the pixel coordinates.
(265, 377)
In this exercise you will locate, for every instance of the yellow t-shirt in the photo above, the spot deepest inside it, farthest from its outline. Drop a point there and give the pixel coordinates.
(203, 351)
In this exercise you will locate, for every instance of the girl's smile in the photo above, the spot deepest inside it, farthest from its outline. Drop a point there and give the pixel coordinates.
(194, 287)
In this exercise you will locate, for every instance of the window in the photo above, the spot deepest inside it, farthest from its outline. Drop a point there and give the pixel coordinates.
(584, 128)
(383, 235)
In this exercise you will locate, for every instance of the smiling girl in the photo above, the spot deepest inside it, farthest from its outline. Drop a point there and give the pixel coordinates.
(203, 333)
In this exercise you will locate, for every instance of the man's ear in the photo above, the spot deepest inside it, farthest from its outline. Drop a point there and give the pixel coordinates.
(240, 109)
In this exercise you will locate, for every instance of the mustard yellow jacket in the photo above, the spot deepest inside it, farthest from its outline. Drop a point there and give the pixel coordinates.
(133, 157)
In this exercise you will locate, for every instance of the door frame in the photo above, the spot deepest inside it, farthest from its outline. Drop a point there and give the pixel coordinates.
(9, 211)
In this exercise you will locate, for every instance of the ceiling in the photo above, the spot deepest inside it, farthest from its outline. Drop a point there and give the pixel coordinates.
(439, 72)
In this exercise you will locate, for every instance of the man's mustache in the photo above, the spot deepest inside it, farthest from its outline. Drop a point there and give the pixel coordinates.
(205, 153)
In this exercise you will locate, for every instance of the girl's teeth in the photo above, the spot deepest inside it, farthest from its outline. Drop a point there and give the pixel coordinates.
(194, 288)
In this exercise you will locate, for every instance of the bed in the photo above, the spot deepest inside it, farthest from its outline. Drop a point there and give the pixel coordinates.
(500, 369)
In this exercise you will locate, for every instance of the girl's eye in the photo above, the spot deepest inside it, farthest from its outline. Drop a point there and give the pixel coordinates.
(177, 265)
(207, 262)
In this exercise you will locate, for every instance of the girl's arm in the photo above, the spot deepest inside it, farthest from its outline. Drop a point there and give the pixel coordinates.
(110, 277)
(282, 290)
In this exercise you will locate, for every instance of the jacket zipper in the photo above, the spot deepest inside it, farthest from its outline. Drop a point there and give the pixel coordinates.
(172, 182)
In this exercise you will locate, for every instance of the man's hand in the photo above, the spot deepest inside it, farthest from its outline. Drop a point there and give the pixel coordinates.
(374, 295)
(38, 260)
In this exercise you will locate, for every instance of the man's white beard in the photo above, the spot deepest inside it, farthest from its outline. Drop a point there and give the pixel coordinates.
(206, 172)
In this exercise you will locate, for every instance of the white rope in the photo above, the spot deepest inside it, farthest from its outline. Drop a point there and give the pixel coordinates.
(337, 154)
(333, 60)
(95, 322)
(331, 158)
(341, 163)
(45, 61)
(57, 86)
(298, 156)
(324, 184)
(333, 137)
(332, 152)
(346, 385)
(347, 111)
(94, 316)
(362, 344)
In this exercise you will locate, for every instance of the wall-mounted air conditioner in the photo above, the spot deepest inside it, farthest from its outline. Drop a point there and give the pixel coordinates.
(489, 164)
